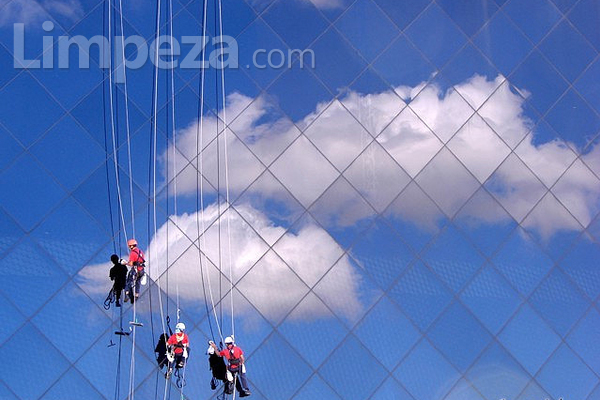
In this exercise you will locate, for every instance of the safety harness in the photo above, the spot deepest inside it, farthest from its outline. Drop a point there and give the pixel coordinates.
(234, 362)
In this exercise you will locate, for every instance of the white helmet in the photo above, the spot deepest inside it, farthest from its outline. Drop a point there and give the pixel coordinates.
(180, 327)
(228, 340)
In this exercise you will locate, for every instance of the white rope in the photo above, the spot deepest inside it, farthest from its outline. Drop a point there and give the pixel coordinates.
(200, 167)
(123, 59)
(175, 172)
(112, 118)
(182, 377)
(226, 172)
(130, 394)
(154, 157)
(131, 391)
(154, 163)
(174, 142)
(154, 160)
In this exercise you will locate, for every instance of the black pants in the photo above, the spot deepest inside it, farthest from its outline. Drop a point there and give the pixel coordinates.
(117, 291)
(241, 383)
(179, 360)
(138, 280)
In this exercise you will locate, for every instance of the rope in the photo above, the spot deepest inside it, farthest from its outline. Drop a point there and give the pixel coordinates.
(118, 374)
(105, 128)
(109, 299)
(131, 388)
(112, 117)
(127, 128)
(172, 99)
(149, 228)
(167, 258)
(107, 22)
(217, 135)
(200, 184)
(226, 171)
(173, 140)
(154, 142)
(180, 383)
(173, 126)
(152, 173)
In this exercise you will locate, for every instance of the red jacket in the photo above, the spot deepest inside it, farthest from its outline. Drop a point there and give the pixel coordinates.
(136, 257)
(232, 355)
(179, 340)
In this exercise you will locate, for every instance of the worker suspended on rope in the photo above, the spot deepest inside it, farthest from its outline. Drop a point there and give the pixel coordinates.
(130, 285)
(236, 367)
(217, 367)
(161, 351)
(118, 274)
(178, 347)
(138, 265)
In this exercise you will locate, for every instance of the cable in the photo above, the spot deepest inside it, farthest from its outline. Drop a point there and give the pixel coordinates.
(218, 137)
(118, 374)
(127, 128)
(199, 181)
(154, 142)
(105, 128)
(112, 117)
(152, 173)
(226, 171)
(107, 21)
(131, 388)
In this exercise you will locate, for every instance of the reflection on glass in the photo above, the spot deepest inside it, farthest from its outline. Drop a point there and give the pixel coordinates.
(416, 216)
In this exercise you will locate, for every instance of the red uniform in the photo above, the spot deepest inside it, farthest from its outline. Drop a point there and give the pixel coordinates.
(179, 340)
(136, 257)
(232, 355)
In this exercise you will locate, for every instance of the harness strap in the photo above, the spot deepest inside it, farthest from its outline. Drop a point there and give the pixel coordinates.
(140, 255)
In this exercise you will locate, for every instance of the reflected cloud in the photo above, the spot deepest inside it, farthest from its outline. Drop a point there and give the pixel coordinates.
(327, 4)
(322, 4)
(415, 139)
(273, 280)
(32, 12)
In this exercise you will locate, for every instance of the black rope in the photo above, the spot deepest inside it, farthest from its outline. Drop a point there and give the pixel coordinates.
(109, 299)
(180, 382)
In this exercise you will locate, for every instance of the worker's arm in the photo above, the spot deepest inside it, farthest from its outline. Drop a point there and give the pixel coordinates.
(214, 346)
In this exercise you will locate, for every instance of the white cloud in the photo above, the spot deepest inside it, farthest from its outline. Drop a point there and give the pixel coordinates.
(275, 280)
(414, 139)
(322, 4)
(32, 12)
(326, 4)
(262, 275)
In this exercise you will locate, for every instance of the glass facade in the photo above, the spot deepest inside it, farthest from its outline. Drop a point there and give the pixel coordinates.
(405, 203)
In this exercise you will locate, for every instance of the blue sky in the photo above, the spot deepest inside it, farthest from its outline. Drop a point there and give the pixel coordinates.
(414, 217)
